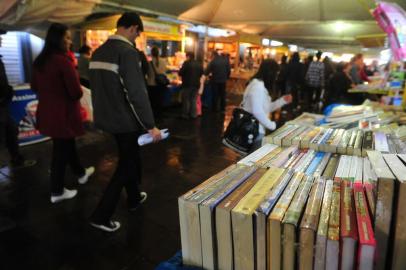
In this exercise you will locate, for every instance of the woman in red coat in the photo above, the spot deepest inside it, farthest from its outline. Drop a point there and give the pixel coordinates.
(57, 84)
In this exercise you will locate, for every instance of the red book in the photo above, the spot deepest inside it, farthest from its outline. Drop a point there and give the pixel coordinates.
(367, 243)
(348, 227)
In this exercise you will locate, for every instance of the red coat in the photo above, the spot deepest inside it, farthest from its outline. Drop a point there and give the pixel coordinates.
(59, 92)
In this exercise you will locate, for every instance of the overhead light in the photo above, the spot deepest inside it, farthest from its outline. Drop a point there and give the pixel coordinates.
(276, 43)
(341, 26)
(265, 41)
(293, 48)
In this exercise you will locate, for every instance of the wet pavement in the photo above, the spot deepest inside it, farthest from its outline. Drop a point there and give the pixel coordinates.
(38, 235)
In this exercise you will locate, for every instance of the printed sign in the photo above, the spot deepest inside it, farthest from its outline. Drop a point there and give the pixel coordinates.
(23, 109)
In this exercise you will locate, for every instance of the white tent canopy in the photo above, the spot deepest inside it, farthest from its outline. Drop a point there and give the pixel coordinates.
(310, 23)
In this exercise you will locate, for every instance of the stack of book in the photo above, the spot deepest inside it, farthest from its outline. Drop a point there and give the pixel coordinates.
(292, 208)
(356, 142)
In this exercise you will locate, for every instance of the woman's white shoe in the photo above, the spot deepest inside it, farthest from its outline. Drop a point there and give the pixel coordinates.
(88, 172)
(66, 195)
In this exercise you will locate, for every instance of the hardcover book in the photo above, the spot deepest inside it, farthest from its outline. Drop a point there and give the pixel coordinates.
(384, 206)
(291, 222)
(243, 220)
(309, 224)
(322, 230)
(367, 243)
(223, 221)
(274, 224)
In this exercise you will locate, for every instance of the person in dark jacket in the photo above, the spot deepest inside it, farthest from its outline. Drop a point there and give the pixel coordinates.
(57, 84)
(294, 78)
(8, 128)
(219, 69)
(121, 107)
(339, 84)
(281, 78)
(83, 65)
(191, 73)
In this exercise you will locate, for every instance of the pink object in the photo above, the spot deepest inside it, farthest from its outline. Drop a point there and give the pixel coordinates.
(392, 19)
(199, 105)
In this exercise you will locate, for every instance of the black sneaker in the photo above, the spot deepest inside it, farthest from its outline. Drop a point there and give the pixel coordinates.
(111, 226)
(144, 196)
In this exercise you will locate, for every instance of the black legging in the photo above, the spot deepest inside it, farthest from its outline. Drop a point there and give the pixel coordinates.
(63, 153)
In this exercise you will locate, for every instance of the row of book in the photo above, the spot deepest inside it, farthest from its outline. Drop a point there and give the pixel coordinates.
(291, 208)
(350, 142)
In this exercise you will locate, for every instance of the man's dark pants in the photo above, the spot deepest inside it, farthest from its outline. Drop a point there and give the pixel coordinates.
(219, 96)
(189, 96)
(127, 175)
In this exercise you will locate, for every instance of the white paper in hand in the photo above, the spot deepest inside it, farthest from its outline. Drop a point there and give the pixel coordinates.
(147, 138)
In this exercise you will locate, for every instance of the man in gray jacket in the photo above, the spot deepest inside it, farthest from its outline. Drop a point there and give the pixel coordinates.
(122, 108)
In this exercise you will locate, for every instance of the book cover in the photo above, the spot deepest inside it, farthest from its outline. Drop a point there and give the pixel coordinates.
(331, 167)
(348, 227)
(333, 148)
(358, 143)
(189, 218)
(322, 165)
(383, 207)
(333, 234)
(351, 142)
(243, 223)
(309, 224)
(207, 217)
(274, 225)
(381, 142)
(399, 243)
(291, 222)
(322, 229)
(305, 142)
(257, 155)
(314, 163)
(367, 243)
(369, 180)
(262, 214)
(342, 146)
(367, 143)
(223, 221)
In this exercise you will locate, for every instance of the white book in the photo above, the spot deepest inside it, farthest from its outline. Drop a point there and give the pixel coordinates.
(257, 155)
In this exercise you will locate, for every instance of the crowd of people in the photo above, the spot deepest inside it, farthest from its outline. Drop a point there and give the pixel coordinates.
(127, 92)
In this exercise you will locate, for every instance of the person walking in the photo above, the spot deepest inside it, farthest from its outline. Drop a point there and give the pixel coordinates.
(219, 70)
(8, 128)
(121, 108)
(191, 73)
(83, 64)
(295, 79)
(257, 99)
(57, 84)
(157, 65)
(315, 81)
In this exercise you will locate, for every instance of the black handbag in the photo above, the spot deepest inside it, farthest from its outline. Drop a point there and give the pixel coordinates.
(241, 132)
(160, 79)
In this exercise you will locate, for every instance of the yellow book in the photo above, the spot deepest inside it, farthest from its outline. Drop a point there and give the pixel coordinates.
(291, 221)
(243, 223)
(274, 226)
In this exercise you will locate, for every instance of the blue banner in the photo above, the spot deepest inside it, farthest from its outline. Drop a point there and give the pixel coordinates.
(23, 109)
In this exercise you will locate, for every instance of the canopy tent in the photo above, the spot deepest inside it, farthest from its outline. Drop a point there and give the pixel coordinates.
(311, 23)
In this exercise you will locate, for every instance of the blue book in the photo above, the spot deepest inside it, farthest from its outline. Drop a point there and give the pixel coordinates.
(315, 163)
